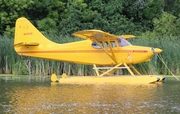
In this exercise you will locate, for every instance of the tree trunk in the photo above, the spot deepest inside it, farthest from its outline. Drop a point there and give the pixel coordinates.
(43, 68)
(36, 69)
(58, 68)
(28, 65)
(6, 62)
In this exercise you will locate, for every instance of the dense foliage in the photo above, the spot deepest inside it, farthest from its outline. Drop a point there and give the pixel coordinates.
(68, 16)
(158, 21)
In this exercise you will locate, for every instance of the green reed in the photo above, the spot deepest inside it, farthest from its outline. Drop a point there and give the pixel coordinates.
(170, 55)
(12, 63)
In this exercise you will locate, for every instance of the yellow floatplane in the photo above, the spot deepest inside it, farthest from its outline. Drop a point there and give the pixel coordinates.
(105, 51)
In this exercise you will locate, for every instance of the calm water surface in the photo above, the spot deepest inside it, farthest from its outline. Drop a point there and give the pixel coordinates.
(32, 95)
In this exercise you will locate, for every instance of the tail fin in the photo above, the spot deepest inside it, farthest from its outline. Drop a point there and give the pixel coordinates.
(26, 34)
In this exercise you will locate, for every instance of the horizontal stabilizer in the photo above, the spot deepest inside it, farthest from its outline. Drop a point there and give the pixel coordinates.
(26, 44)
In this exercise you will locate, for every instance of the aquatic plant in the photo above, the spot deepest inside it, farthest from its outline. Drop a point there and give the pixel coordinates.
(12, 63)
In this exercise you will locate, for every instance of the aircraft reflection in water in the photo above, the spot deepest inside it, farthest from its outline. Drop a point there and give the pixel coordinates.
(108, 52)
(65, 98)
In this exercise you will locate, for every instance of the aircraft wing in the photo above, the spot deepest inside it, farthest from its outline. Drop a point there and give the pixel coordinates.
(99, 35)
(127, 36)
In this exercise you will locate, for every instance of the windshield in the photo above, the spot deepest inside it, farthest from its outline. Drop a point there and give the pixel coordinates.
(122, 42)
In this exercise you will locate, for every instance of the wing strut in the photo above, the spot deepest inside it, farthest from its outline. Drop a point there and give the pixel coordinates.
(91, 35)
(110, 46)
(111, 56)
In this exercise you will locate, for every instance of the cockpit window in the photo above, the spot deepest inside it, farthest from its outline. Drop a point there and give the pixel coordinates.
(113, 43)
(95, 45)
(122, 42)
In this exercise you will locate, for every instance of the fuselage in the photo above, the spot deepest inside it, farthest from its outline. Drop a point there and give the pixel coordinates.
(83, 52)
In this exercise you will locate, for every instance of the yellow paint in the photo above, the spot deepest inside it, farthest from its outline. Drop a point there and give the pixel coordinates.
(54, 78)
(64, 75)
(111, 52)
(111, 80)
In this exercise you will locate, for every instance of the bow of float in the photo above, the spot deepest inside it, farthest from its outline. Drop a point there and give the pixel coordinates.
(146, 79)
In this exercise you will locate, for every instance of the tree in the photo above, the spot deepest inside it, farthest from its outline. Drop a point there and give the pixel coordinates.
(166, 25)
(77, 18)
(172, 6)
(49, 15)
(9, 11)
(142, 12)
(108, 16)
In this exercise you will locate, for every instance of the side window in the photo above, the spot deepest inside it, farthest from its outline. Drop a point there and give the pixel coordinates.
(113, 43)
(95, 45)
(106, 44)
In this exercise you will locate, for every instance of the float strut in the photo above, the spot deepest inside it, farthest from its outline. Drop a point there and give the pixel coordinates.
(96, 70)
(129, 69)
(135, 70)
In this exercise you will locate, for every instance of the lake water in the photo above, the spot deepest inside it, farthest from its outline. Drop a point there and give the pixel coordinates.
(32, 95)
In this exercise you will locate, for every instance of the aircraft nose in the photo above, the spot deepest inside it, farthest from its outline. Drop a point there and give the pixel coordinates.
(157, 50)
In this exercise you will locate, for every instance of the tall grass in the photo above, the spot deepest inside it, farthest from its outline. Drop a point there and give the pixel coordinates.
(170, 55)
(12, 63)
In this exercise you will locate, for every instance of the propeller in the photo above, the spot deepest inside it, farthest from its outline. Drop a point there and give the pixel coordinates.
(156, 50)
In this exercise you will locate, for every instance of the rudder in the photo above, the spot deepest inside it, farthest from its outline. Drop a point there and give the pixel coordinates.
(27, 33)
